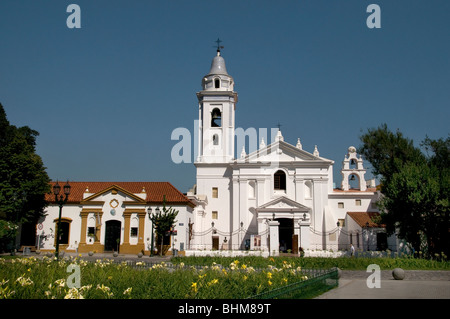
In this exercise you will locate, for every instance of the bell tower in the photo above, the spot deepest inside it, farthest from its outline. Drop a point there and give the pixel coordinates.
(217, 104)
(353, 170)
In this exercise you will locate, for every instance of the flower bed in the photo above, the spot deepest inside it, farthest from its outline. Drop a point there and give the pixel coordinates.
(31, 278)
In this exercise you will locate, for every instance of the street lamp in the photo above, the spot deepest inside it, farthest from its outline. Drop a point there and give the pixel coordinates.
(367, 235)
(61, 200)
(149, 215)
(300, 231)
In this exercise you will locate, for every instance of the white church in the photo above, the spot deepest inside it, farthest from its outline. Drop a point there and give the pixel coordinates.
(278, 198)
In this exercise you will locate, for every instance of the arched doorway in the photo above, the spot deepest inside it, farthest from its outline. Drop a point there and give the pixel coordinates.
(286, 230)
(112, 235)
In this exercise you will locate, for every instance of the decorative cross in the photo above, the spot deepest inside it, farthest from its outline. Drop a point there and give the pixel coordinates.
(218, 44)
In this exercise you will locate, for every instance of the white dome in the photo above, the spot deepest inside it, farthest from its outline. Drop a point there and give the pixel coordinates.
(218, 65)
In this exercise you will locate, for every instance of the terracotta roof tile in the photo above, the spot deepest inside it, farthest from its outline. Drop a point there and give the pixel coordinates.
(155, 191)
(361, 218)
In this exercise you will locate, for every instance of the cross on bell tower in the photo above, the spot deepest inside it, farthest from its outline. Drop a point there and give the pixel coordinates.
(218, 45)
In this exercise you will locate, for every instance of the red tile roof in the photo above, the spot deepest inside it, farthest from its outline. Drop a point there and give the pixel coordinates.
(155, 191)
(361, 218)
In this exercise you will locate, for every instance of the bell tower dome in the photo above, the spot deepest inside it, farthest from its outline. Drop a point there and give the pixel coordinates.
(217, 104)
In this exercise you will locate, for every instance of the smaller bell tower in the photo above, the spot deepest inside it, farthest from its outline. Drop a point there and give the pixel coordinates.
(217, 105)
(353, 170)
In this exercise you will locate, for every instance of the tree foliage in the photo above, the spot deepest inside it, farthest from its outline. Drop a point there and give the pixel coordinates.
(163, 220)
(23, 179)
(414, 187)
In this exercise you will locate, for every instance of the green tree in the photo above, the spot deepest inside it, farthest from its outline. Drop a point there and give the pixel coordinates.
(414, 187)
(163, 221)
(23, 179)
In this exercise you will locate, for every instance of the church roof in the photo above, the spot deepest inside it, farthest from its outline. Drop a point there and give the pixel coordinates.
(155, 191)
(362, 218)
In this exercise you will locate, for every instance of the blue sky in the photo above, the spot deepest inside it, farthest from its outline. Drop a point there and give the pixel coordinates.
(105, 98)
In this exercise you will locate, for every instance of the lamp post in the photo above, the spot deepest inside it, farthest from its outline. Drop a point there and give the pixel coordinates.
(300, 230)
(150, 215)
(338, 233)
(61, 200)
(367, 235)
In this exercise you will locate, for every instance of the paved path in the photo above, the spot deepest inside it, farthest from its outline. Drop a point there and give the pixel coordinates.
(418, 284)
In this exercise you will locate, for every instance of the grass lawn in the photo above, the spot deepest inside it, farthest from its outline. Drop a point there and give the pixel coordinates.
(344, 263)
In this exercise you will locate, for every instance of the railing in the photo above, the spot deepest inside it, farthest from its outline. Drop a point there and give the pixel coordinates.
(319, 281)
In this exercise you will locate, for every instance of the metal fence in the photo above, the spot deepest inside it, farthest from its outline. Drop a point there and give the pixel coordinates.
(319, 281)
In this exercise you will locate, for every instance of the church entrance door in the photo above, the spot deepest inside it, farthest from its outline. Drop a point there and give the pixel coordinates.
(215, 243)
(112, 235)
(286, 231)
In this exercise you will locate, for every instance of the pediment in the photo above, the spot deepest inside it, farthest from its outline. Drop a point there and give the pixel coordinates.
(283, 204)
(281, 151)
(114, 189)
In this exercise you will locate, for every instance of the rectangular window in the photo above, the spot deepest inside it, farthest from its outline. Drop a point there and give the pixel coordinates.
(340, 205)
(215, 192)
(215, 215)
(91, 231)
(341, 222)
(357, 202)
(134, 232)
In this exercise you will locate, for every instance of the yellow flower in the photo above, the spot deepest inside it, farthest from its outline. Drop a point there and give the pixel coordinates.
(269, 275)
(244, 266)
(213, 282)
(285, 280)
(245, 278)
(270, 283)
(128, 291)
(194, 287)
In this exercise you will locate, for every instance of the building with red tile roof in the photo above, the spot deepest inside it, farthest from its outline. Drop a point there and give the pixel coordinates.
(113, 216)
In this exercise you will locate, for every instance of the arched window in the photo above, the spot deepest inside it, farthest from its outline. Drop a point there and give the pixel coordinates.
(216, 118)
(352, 164)
(217, 83)
(279, 180)
(353, 181)
(215, 139)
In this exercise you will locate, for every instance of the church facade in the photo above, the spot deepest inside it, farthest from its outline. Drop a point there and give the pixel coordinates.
(279, 197)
